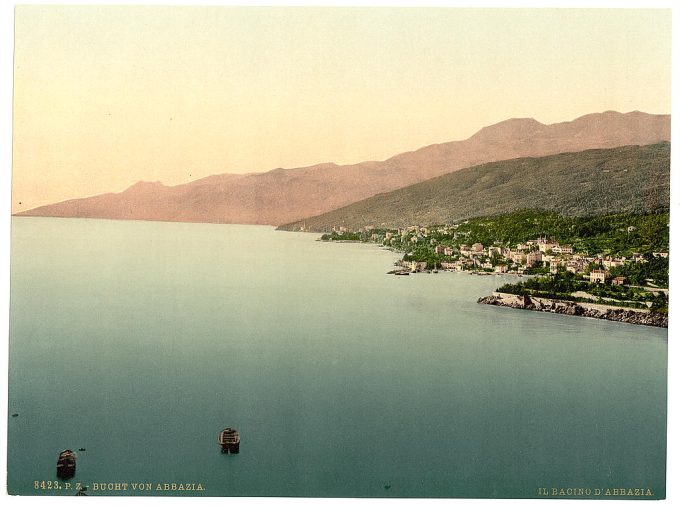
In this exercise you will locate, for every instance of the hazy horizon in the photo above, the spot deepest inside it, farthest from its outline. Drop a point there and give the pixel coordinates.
(108, 96)
(319, 163)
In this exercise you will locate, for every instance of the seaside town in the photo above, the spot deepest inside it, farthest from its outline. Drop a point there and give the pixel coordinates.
(525, 257)
(620, 265)
(536, 256)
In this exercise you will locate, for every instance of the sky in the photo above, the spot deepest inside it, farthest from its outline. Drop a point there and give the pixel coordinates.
(105, 96)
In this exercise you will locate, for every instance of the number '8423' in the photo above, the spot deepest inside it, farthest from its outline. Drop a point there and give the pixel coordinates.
(47, 485)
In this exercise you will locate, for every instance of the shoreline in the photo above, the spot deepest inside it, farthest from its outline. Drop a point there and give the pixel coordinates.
(583, 309)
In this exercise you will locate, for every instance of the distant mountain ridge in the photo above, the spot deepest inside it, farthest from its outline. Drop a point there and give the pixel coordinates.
(285, 195)
(629, 179)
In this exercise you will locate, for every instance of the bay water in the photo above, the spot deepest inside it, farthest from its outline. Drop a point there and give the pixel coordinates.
(140, 341)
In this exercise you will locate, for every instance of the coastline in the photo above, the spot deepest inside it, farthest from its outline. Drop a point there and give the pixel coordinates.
(588, 310)
(614, 313)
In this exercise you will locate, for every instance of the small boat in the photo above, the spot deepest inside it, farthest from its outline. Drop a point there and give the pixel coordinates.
(66, 464)
(399, 272)
(229, 439)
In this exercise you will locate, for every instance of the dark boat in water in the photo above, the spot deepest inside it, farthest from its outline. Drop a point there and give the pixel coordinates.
(399, 272)
(229, 439)
(66, 464)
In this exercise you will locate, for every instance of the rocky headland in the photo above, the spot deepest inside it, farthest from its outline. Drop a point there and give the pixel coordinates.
(588, 310)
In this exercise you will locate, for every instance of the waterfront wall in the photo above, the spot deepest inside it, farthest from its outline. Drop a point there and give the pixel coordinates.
(602, 311)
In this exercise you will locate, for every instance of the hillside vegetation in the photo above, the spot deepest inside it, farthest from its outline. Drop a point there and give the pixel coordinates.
(611, 234)
(630, 179)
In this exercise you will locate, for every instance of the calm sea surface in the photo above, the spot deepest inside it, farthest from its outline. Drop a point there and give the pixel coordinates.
(140, 341)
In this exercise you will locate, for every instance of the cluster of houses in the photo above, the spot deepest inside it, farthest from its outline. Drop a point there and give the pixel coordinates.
(540, 252)
(524, 256)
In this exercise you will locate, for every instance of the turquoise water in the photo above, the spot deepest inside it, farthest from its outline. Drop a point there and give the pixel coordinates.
(140, 341)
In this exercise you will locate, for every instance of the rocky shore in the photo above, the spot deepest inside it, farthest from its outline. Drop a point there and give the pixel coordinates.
(605, 312)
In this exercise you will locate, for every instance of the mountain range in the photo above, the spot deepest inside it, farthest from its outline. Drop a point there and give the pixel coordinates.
(629, 179)
(284, 196)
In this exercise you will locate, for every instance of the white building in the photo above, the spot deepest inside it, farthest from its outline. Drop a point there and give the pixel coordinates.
(598, 276)
(562, 249)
